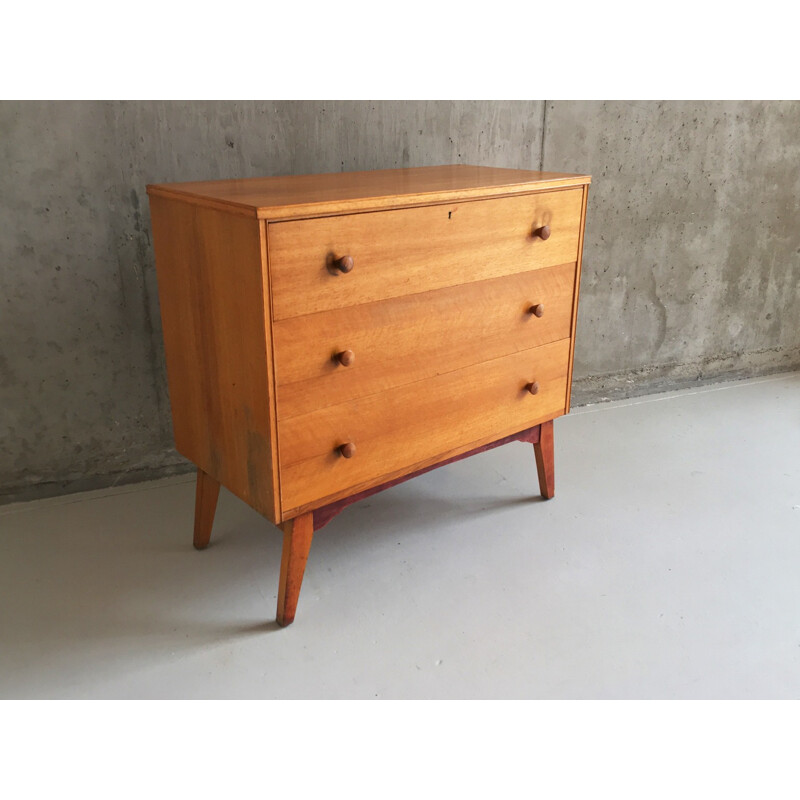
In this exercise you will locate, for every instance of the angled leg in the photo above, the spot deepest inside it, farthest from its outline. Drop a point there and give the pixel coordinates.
(297, 536)
(205, 504)
(544, 451)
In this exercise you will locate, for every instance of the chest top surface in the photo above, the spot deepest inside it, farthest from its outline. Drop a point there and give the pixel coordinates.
(282, 197)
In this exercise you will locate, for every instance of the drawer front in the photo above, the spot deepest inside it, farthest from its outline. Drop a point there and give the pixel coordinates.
(397, 431)
(415, 337)
(413, 250)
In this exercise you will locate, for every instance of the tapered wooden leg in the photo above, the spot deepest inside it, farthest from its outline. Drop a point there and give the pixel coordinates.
(297, 536)
(544, 451)
(205, 504)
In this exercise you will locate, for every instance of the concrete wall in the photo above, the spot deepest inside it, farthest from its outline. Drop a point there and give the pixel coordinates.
(691, 264)
(692, 258)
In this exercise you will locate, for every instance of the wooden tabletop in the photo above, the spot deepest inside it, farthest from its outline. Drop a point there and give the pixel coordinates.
(291, 196)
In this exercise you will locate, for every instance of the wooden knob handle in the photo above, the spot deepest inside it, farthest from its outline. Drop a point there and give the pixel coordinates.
(346, 357)
(348, 450)
(343, 264)
(537, 310)
(533, 387)
(543, 232)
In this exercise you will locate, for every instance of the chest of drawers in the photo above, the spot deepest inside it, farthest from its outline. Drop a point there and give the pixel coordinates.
(327, 336)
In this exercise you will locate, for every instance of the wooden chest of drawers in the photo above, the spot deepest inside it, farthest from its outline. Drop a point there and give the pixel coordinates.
(327, 336)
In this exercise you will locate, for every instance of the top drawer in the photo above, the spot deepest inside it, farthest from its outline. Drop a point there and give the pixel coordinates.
(412, 250)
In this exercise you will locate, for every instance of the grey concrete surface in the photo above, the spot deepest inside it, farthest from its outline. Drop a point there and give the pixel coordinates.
(80, 377)
(664, 568)
(691, 268)
(691, 264)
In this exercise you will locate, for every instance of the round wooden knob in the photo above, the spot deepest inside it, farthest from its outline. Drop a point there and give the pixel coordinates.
(346, 357)
(533, 387)
(537, 310)
(543, 232)
(343, 264)
(348, 450)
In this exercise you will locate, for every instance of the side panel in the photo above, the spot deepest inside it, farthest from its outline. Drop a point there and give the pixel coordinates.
(217, 338)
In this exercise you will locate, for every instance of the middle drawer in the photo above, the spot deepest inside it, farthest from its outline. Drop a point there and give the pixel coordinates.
(407, 339)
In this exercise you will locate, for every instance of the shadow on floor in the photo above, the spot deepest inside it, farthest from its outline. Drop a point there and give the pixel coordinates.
(102, 581)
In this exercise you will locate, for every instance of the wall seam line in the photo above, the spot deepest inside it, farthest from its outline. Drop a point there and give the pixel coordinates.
(544, 123)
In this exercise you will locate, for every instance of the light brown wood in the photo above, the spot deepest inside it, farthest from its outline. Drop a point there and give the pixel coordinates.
(205, 505)
(413, 250)
(418, 336)
(295, 196)
(456, 288)
(272, 413)
(297, 536)
(324, 514)
(575, 293)
(399, 430)
(544, 450)
(218, 353)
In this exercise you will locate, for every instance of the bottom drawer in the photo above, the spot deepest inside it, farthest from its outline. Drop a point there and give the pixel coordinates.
(397, 431)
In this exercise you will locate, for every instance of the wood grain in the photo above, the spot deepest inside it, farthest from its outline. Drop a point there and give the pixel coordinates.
(295, 196)
(415, 337)
(297, 536)
(218, 349)
(324, 514)
(414, 250)
(544, 451)
(419, 315)
(205, 505)
(397, 431)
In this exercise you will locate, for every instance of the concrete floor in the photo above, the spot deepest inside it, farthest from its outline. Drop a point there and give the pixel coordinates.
(667, 566)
